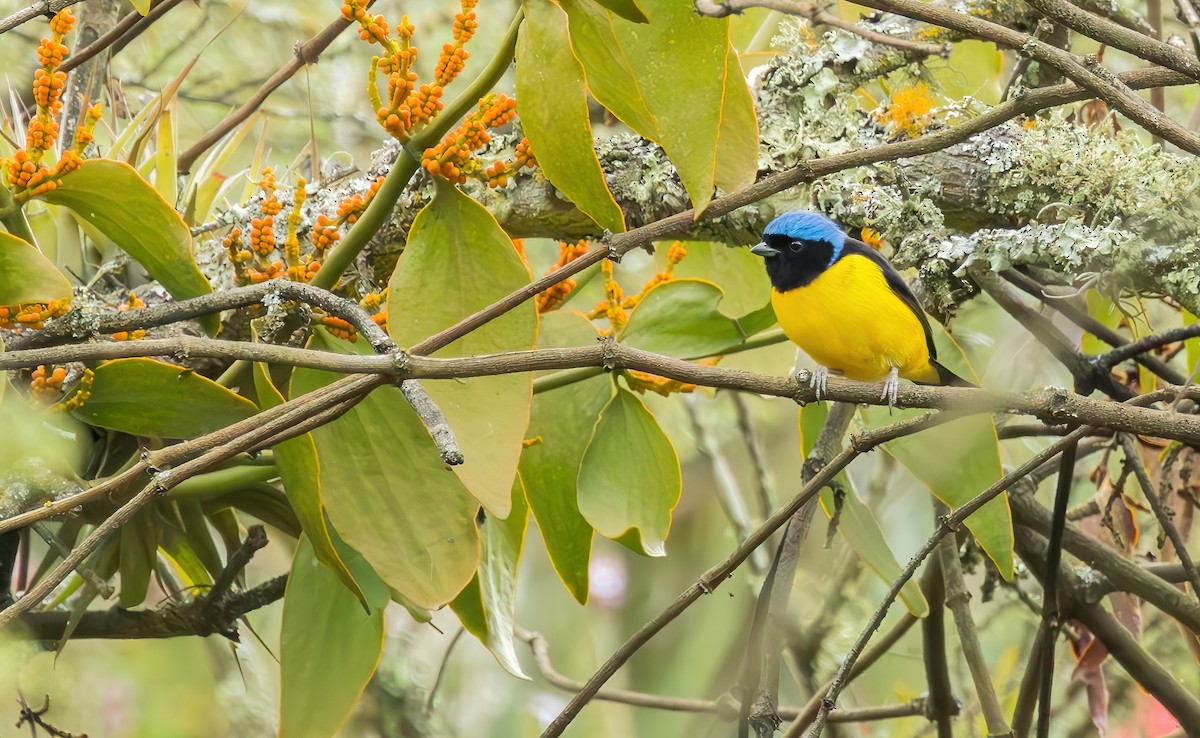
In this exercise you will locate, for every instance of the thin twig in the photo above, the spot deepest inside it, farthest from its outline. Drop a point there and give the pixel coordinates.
(1134, 460)
(132, 23)
(943, 705)
(719, 573)
(948, 524)
(33, 11)
(819, 16)
(959, 602)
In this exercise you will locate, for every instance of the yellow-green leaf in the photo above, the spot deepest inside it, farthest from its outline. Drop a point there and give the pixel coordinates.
(968, 462)
(141, 6)
(627, 9)
(296, 461)
(139, 555)
(739, 273)
(328, 645)
(457, 260)
(856, 523)
(113, 197)
(629, 480)
(26, 275)
(388, 494)
(552, 103)
(562, 423)
(487, 606)
(682, 318)
(737, 137)
(671, 81)
(149, 398)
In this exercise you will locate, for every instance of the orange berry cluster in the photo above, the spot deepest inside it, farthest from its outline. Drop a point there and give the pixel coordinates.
(451, 159)
(32, 315)
(675, 254)
(408, 106)
(133, 302)
(82, 392)
(643, 381)
(84, 134)
(909, 110)
(553, 297)
(324, 233)
(499, 173)
(46, 386)
(372, 302)
(611, 307)
(874, 239)
(27, 176)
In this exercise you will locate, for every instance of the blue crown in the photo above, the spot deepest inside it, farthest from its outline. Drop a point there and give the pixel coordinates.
(807, 226)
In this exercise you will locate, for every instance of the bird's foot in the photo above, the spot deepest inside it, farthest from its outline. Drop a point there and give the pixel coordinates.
(891, 387)
(818, 380)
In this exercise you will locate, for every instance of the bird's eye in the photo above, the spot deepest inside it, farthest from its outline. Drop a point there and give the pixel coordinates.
(795, 246)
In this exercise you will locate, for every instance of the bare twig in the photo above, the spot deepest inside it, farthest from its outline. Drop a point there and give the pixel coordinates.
(818, 15)
(1134, 460)
(943, 705)
(128, 27)
(1142, 345)
(33, 11)
(958, 600)
(947, 525)
(719, 573)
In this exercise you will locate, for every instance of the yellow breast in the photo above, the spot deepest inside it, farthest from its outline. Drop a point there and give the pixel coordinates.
(849, 320)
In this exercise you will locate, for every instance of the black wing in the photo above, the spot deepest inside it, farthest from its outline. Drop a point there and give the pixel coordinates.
(898, 285)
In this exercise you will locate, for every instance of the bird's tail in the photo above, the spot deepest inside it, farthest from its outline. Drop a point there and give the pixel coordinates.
(947, 377)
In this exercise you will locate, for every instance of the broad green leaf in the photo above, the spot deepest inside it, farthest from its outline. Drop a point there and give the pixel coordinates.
(113, 198)
(856, 523)
(669, 81)
(968, 462)
(629, 480)
(487, 606)
(388, 494)
(139, 555)
(740, 274)
(26, 275)
(627, 9)
(737, 138)
(562, 422)
(681, 318)
(552, 103)
(296, 460)
(328, 646)
(149, 398)
(609, 72)
(457, 260)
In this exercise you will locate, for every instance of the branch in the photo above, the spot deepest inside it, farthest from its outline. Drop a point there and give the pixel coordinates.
(958, 600)
(715, 576)
(33, 11)
(1133, 458)
(943, 705)
(948, 524)
(305, 53)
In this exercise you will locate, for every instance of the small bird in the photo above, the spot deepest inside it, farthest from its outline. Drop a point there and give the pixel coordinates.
(847, 307)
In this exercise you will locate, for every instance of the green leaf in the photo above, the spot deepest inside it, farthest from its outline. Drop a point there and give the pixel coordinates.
(487, 606)
(26, 275)
(457, 260)
(387, 493)
(856, 523)
(141, 6)
(672, 81)
(629, 480)
(296, 460)
(968, 462)
(681, 318)
(113, 197)
(139, 555)
(552, 103)
(627, 9)
(744, 284)
(328, 646)
(149, 398)
(563, 420)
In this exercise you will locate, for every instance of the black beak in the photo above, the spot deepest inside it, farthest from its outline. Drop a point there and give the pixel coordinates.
(764, 251)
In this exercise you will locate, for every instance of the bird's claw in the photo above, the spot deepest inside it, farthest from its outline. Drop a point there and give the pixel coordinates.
(891, 388)
(818, 381)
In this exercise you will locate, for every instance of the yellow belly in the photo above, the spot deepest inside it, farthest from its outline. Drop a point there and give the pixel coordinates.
(850, 321)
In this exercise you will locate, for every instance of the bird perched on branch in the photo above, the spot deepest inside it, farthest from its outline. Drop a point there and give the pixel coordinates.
(847, 307)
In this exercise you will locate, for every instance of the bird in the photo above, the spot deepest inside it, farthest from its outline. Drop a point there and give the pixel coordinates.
(847, 307)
